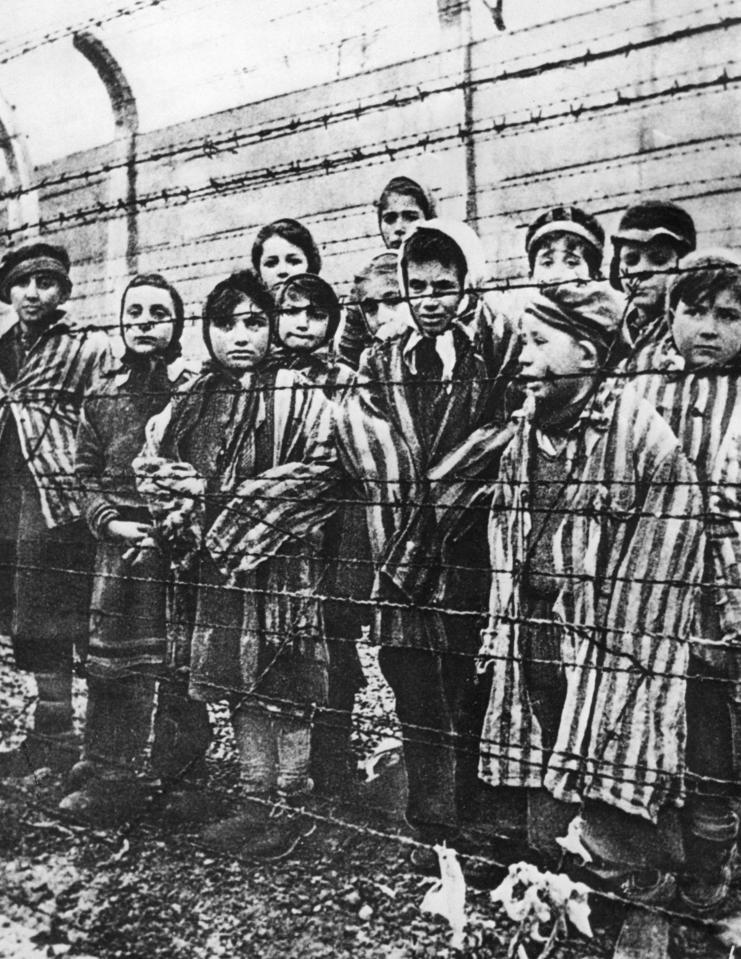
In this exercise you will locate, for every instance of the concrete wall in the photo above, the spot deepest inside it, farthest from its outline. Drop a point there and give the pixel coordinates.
(599, 124)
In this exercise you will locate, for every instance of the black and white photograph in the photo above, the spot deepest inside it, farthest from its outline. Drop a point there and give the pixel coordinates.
(370, 479)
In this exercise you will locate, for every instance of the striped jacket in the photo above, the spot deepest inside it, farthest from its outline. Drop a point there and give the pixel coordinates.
(380, 445)
(44, 402)
(703, 409)
(628, 549)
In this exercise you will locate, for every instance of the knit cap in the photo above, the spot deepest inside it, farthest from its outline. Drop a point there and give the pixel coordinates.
(34, 258)
(585, 311)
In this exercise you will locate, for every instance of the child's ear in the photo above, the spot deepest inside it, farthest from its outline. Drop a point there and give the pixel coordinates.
(590, 355)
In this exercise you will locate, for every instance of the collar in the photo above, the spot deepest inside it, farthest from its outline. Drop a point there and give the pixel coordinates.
(444, 347)
(596, 416)
(174, 371)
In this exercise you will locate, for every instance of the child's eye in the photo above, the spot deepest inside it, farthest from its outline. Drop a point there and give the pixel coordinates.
(392, 300)
(294, 259)
(160, 314)
(270, 261)
(291, 310)
(223, 322)
(319, 315)
(410, 216)
(370, 307)
(390, 218)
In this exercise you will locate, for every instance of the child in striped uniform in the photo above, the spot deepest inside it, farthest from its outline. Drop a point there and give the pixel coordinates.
(48, 361)
(248, 440)
(696, 386)
(127, 613)
(650, 239)
(594, 543)
(419, 394)
(307, 322)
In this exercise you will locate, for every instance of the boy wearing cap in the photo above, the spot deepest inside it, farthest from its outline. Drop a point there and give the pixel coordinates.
(47, 363)
(695, 386)
(593, 522)
(652, 237)
(564, 243)
(418, 395)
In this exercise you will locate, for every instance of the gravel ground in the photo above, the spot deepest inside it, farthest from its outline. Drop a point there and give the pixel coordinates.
(148, 892)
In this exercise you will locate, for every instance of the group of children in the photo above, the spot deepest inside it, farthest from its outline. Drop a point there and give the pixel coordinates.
(527, 497)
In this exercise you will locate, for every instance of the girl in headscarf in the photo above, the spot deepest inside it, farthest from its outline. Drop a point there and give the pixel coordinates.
(127, 613)
(245, 455)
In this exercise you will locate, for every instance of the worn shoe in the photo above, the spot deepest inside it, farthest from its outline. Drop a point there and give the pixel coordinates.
(233, 833)
(104, 803)
(59, 753)
(704, 894)
(649, 887)
(182, 804)
(81, 774)
(279, 837)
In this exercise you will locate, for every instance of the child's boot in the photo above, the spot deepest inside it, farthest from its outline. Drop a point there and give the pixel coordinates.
(52, 743)
(710, 849)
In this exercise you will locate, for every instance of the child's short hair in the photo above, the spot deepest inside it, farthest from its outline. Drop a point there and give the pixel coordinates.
(159, 282)
(569, 222)
(405, 186)
(702, 276)
(648, 221)
(318, 292)
(34, 258)
(229, 293)
(430, 245)
(384, 264)
(292, 232)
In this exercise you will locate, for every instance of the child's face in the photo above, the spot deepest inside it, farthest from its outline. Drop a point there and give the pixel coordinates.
(382, 305)
(281, 259)
(147, 320)
(560, 259)
(548, 353)
(645, 268)
(435, 294)
(708, 332)
(400, 216)
(241, 340)
(36, 296)
(301, 325)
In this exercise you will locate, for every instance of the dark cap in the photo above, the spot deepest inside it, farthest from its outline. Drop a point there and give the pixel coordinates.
(652, 220)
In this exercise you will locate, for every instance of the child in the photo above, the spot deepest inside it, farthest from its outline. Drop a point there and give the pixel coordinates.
(47, 363)
(376, 309)
(563, 244)
(401, 207)
(696, 387)
(127, 623)
(255, 640)
(418, 395)
(308, 317)
(651, 238)
(284, 248)
(594, 538)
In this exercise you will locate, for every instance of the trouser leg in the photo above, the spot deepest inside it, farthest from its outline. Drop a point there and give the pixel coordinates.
(182, 733)
(258, 759)
(118, 723)
(415, 676)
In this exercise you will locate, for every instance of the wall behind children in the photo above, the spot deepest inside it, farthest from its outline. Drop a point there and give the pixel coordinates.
(160, 134)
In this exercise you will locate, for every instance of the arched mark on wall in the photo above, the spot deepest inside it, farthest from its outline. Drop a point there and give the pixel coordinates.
(23, 207)
(126, 119)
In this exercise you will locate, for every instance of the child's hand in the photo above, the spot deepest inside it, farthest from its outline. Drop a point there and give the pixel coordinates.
(127, 531)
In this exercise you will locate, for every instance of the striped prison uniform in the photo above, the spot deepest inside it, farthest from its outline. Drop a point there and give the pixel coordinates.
(628, 551)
